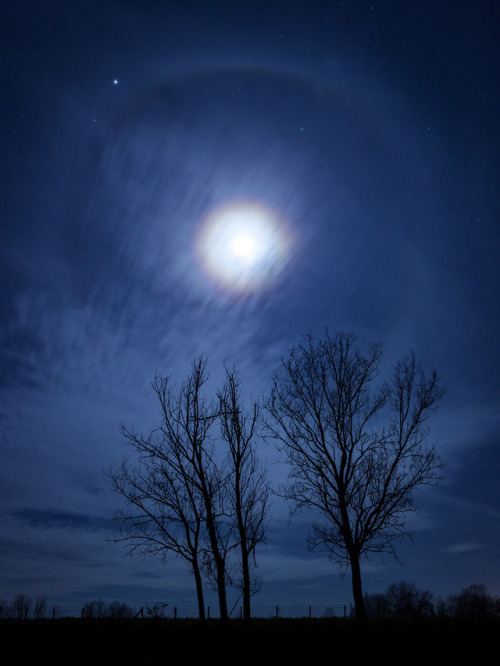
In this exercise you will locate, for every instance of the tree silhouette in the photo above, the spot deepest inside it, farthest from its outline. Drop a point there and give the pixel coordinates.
(474, 601)
(40, 607)
(248, 490)
(357, 452)
(183, 495)
(172, 492)
(21, 606)
(404, 599)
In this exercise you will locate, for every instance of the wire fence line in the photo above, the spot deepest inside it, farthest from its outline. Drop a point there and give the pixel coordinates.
(267, 611)
(101, 610)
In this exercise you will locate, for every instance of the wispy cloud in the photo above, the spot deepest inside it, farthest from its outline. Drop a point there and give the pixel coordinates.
(48, 519)
(459, 548)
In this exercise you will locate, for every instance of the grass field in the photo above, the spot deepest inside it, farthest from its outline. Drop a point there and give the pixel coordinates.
(68, 641)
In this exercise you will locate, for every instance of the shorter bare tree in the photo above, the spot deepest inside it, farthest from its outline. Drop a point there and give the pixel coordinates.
(248, 490)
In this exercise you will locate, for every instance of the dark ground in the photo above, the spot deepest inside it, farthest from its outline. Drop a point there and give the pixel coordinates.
(121, 642)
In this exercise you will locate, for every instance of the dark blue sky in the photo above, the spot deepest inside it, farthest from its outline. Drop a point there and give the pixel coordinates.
(369, 129)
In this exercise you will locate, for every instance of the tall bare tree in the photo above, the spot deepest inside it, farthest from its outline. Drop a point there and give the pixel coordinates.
(187, 419)
(248, 488)
(163, 513)
(175, 495)
(357, 452)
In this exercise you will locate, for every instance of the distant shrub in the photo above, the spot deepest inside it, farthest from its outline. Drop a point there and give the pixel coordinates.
(474, 601)
(402, 600)
(21, 607)
(40, 607)
(376, 605)
(5, 609)
(94, 609)
(120, 610)
(99, 609)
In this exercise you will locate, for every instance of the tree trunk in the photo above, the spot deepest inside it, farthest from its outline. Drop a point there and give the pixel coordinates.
(221, 589)
(246, 584)
(220, 565)
(245, 566)
(357, 590)
(199, 593)
(219, 561)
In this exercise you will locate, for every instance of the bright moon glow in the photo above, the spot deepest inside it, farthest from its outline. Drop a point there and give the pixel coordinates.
(243, 245)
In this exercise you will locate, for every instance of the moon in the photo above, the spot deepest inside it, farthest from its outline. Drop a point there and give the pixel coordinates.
(243, 245)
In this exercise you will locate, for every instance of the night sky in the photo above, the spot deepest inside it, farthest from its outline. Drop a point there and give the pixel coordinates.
(363, 138)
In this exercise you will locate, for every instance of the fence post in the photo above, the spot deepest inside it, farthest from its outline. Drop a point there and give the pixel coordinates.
(175, 612)
(310, 612)
(277, 611)
(208, 612)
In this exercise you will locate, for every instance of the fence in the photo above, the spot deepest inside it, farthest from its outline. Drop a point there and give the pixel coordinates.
(270, 611)
(185, 612)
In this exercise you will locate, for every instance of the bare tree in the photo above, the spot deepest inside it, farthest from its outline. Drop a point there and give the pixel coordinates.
(40, 607)
(175, 495)
(474, 601)
(5, 609)
(187, 420)
(248, 489)
(404, 599)
(163, 512)
(21, 606)
(376, 605)
(357, 452)
(94, 609)
(118, 609)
